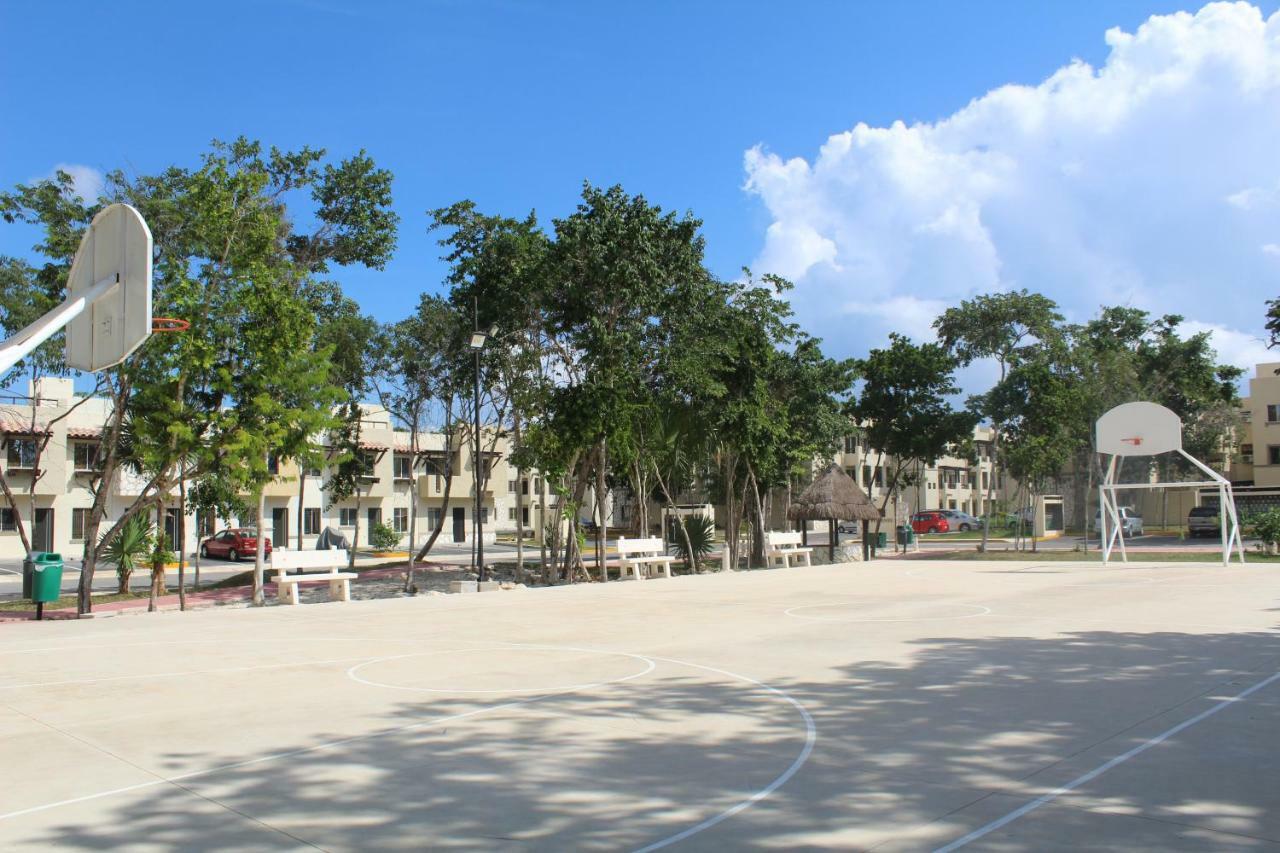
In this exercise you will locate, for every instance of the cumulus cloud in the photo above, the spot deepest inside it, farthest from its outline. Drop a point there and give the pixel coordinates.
(1150, 181)
(86, 180)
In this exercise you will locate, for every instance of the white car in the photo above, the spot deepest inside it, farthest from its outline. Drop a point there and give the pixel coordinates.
(1130, 521)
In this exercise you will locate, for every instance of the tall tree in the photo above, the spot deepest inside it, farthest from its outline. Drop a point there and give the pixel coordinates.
(1002, 327)
(904, 410)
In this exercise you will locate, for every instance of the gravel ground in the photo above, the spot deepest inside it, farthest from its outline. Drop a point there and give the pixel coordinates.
(428, 580)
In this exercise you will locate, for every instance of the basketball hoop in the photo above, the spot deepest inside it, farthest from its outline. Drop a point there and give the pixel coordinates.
(169, 324)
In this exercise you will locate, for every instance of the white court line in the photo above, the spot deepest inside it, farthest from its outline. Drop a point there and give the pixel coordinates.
(811, 734)
(1103, 768)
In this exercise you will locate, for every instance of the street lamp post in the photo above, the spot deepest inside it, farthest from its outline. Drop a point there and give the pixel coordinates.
(478, 340)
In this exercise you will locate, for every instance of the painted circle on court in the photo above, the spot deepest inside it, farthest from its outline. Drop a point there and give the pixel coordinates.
(627, 667)
(926, 612)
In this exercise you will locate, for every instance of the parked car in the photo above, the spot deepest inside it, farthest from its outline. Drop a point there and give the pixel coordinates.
(847, 527)
(960, 520)
(1131, 522)
(930, 522)
(1204, 521)
(233, 544)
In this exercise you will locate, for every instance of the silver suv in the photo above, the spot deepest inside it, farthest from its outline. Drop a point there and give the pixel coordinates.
(961, 520)
(1130, 521)
(1204, 521)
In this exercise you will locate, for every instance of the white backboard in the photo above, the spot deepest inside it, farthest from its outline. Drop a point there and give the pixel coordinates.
(118, 243)
(1139, 429)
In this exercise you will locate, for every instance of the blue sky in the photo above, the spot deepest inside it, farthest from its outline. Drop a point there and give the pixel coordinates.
(514, 104)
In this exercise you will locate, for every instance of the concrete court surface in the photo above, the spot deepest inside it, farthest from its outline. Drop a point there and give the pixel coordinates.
(894, 705)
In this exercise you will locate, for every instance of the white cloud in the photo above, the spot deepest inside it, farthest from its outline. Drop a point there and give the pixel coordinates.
(1151, 181)
(86, 179)
(1235, 347)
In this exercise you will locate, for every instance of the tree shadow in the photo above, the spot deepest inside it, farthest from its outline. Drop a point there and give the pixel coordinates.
(900, 746)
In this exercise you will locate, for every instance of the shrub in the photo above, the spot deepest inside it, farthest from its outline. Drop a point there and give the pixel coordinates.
(128, 548)
(701, 531)
(383, 537)
(1266, 526)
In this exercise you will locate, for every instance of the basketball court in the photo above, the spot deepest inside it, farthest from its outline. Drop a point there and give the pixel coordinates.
(893, 705)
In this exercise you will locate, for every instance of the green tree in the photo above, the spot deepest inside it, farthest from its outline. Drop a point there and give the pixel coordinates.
(904, 411)
(1002, 327)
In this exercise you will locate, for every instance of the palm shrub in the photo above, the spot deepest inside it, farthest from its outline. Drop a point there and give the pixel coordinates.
(383, 537)
(128, 548)
(699, 535)
(161, 556)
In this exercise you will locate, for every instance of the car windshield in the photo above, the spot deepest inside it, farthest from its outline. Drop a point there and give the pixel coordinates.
(1204, 510)
(248, 532)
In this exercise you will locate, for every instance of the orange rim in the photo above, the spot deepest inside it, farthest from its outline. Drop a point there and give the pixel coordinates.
(169, 324)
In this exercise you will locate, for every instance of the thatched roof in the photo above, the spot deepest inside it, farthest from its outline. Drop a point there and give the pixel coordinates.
(833, 494)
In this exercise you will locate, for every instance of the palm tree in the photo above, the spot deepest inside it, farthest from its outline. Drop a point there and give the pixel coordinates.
(130, 547)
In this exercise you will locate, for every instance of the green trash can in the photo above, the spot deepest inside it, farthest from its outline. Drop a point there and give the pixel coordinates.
(905, 535)
(46, 579)
(882, 539)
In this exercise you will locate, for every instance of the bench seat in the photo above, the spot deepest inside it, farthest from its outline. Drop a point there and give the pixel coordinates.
(331, 564)
(783, 546)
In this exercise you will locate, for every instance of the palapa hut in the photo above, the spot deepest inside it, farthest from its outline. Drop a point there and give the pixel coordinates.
(835, 496)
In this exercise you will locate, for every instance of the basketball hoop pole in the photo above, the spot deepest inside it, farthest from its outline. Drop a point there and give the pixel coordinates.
(22, 344)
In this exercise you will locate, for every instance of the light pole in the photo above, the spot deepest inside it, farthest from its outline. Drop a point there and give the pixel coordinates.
(478, 340)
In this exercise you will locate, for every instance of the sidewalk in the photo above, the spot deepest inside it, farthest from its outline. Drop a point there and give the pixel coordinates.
(237, 595)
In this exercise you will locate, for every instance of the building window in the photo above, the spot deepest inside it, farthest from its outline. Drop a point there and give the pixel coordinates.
(484, 515)
(367, 463)
(850, 444)
(347, 517)
(22, 453)
(866, 476)
(8, 523)
(524, 486)
(400, 519)
(403, 467)
(511, 513)
(511, 487)
(79, 522)
(433, 517)
(85, 455)
(525, 512)
(315, 471)
(1273, 455)
(984, 481)
(1273, 413)
(311, 520)
(249, 518)
(273, 465)
(1246, 453)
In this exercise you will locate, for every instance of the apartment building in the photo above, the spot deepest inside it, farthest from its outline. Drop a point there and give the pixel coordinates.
(396, 480)
(951, 482)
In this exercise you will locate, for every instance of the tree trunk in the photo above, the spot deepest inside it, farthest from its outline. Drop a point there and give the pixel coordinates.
(182, 540)
(355, 536)
(520, 483)
(84, 600)
(602, 525)
(259, 554)
(17, 516)
(444, 500)
(302, 490)
(157, 567)
(196, 581)
(757, 535)
(684, 531)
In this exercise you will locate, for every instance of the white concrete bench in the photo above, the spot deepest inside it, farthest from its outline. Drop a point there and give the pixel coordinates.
(301, 561)
(783, 546)
(637, 556)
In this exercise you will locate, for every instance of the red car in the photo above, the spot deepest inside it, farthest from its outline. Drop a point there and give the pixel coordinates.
(233, 544)
(930, 522)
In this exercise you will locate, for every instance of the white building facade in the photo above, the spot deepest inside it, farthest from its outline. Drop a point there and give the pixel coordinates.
(54, 505)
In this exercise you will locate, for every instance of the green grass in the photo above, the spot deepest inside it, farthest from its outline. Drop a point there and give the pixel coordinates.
(1093, 556)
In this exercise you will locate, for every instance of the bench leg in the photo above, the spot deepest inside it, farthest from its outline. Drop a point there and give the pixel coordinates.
(807, 562)
(288, 593)
(666, 568)
(340, 590)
